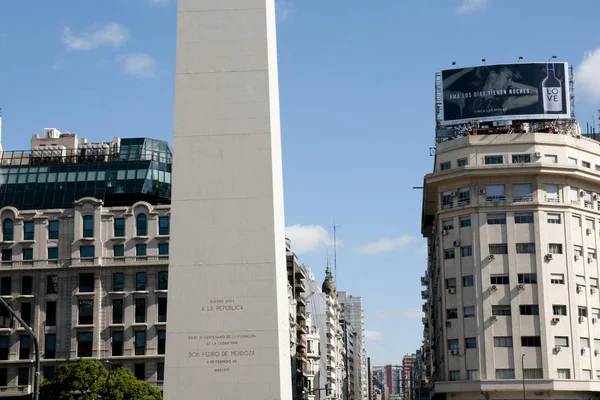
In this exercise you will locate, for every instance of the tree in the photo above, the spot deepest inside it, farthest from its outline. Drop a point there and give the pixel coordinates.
(85, 379)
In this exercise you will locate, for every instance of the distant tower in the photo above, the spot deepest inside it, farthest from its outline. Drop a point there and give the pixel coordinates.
(328, 284)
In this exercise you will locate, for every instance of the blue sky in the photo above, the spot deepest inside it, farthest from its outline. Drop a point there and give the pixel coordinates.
(356, 86)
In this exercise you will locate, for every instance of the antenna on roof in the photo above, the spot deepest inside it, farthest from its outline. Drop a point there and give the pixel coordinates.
(335, 250)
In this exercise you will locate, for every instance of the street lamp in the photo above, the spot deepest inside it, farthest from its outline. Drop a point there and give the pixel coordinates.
(523, 372)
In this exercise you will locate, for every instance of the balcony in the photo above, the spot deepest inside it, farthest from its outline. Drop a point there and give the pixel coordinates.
(300, 300)
(299, 273)
(91, 261)
(299, 286)
(424, 294)
(12, 390)
(153, 259)
(301, 327)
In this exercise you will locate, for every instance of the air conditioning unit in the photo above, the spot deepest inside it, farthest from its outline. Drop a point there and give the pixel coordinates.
(577, 257)
(491, 257)
(453, 194)
(451, 290)
(521, 286)
(595, 196)
(494, 318)
(538, 154)
(594, 320)
(596, 352)
(493, 287)
(588, 231)
(482, 191)
(584, 351)
(444, 232)
(590, 259)
(454, 352)
(555, 320)
(581, 320)
(548, 257)
(448, 323)
(579, 288)
(456, 243)
(557, 349)
(581, 193)
(592, 290)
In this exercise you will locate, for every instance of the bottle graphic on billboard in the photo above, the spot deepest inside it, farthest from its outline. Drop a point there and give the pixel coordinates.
(552, 92)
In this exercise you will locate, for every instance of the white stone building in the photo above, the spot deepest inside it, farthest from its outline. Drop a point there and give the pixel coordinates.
(512, 300)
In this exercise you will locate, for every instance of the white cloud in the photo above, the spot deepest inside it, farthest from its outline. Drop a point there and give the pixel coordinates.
(470, 6)
(140, 65)
(387, 245)
(159, 3)
(405, 313)
(283, 10)
(111, 35)
(308, 238)
(587, 75)
(59, 64)
(372, 336)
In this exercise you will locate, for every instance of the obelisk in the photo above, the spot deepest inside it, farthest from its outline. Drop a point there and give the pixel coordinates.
(228, 321)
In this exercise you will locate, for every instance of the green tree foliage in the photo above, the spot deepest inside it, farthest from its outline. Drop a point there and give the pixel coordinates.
(88, 380)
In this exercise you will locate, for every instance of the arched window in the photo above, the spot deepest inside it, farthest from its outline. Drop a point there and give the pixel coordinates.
(142, 225)
(7, 229)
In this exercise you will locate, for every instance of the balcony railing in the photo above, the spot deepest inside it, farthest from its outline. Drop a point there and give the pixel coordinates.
(77, 261)
(14, 389)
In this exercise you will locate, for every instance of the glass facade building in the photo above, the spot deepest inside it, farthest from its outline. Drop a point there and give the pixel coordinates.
(139, 169)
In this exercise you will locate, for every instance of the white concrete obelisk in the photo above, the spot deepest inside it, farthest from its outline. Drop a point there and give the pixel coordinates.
(228, 323)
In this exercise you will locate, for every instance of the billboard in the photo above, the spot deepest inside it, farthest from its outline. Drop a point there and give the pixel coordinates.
(505, 92)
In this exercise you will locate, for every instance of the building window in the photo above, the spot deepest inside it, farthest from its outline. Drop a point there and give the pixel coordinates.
(162, 341)
(555, 248)
(27, 256)
(563, 373)
(462, 162)
(531, 341)
(50, 346)
(452, 344)
(53, 229)
(585, 164)
(451, 313)
(51, 313)
(118, 282)
(586, 374)
(448, 224)
(499, 280)
(140, 250)
(118, 250)
(495, 193)
(52, 253)
(527, 278)
(503, 341)
(521, 158)
(160, 372)
(498, 248)
(28, 230)
(578, 251)
(84, 344)
(552, 193)
(451, 283)
(496, 219)
(86, 283)
(117, 343)
(557, 279)
(501, 311)
(164, 226)
(24, 345)
(26, 313)
(87, 252)
(447, 200)
(525, 248)
(467, 280)
(594, 283)
(142, 225)
(464, 196)
(163, 280)
(4, 340)
(561, 341)
(471, 343)
(117, 311)
(469, 312)
(119, 227)
(550, 158)
(523, 218)
(140, 310)
(505, 374)
(522, 192)
(162, 309)
(26, 285)
(139, 370)
(8, 230)
(445, 165)
(496, 159)
(140, 343)
(465, 222)
(3, 377)
(454, 375)
(572, 161)
(86, 312)
(163, 249)
(574, 195)
(532, 373)
(582, 312)
(448, 254)
(88, 226)
(23, 376)
(466, 251)
(140, 281)
(6, 286)
(472, 375)
(6, 254)
(554, 218)
(529, 309)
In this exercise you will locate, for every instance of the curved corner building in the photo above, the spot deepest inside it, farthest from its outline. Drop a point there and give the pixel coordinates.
(512, 300)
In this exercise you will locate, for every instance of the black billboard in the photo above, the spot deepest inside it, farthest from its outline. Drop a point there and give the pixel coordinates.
(505, 92)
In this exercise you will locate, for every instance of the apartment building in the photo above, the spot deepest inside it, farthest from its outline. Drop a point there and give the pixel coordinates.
(512, 301)
(354, 313)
